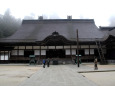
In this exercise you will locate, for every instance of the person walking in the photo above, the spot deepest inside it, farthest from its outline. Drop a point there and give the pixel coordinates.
(95, 64)
(48, 62)
(44, 62)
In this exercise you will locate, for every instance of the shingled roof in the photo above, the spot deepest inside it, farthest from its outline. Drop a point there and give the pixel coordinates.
(108, 31)
(112, 32)
(38, 30)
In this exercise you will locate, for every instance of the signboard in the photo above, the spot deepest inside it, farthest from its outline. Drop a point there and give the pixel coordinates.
(31, 56)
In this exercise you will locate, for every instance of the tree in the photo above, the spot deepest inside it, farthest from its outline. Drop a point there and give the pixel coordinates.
(8, 24)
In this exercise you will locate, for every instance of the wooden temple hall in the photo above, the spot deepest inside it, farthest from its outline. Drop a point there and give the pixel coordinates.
(57, 39)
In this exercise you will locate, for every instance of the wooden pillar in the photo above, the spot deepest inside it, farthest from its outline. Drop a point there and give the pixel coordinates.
(33, 50)
(8, 56)
(32, 47)
(77, 48)
(25, 47)
(18, 51)
(0, 54)
(63, 46)
(17, 54)
(65, 51)
(25, 50)
(40, 51)
(47, 47)
(4, 55)
(70, 51)
(89, 49)
(55, 47)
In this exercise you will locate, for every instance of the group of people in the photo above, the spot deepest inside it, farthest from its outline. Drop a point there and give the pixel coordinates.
(46, 61)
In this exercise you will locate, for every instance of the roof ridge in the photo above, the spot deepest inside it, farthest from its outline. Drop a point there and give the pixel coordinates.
(56, 20)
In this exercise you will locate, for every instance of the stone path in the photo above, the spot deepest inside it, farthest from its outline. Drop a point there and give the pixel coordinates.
(59, 75)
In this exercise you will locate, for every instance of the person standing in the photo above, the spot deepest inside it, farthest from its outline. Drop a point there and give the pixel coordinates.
(95, 64)
(44, 62)
(48, 62)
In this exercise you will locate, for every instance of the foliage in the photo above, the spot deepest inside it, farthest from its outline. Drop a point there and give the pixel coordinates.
(8, 24)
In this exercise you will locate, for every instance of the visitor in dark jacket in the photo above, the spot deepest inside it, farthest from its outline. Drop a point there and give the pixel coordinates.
(44, 62)
(48, 62)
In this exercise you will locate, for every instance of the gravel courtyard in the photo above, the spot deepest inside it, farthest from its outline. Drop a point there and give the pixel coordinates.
(13, 75)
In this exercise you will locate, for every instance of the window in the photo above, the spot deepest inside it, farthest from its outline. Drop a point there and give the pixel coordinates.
(4, 55)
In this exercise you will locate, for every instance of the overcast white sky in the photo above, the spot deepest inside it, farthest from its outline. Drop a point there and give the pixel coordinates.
(99, 10)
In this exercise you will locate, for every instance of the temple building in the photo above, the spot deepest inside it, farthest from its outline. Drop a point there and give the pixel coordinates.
(57, 39)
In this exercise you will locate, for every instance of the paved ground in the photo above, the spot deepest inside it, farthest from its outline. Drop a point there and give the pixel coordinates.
(57, 75)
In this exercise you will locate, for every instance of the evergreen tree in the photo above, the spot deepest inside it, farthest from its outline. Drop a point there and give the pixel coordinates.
(8, 24)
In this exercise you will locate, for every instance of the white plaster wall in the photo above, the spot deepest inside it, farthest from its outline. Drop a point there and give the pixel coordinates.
(21, 52)
(43, 47)
(43, 52)
(92, 51)
(86, 51)
(66, 47)
(14, 52)
(21, 47)
(37, 52)
(93, 46)
(59, 47)
(28, 47)
(68, 52)
(73, 51)
(74, 46)
(2, 57)
(51, 47)
(16, 47)
(6, 56)
(84, 46)
(36, 47)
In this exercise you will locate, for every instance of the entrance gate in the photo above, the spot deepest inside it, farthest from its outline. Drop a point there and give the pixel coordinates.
(55, 53)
